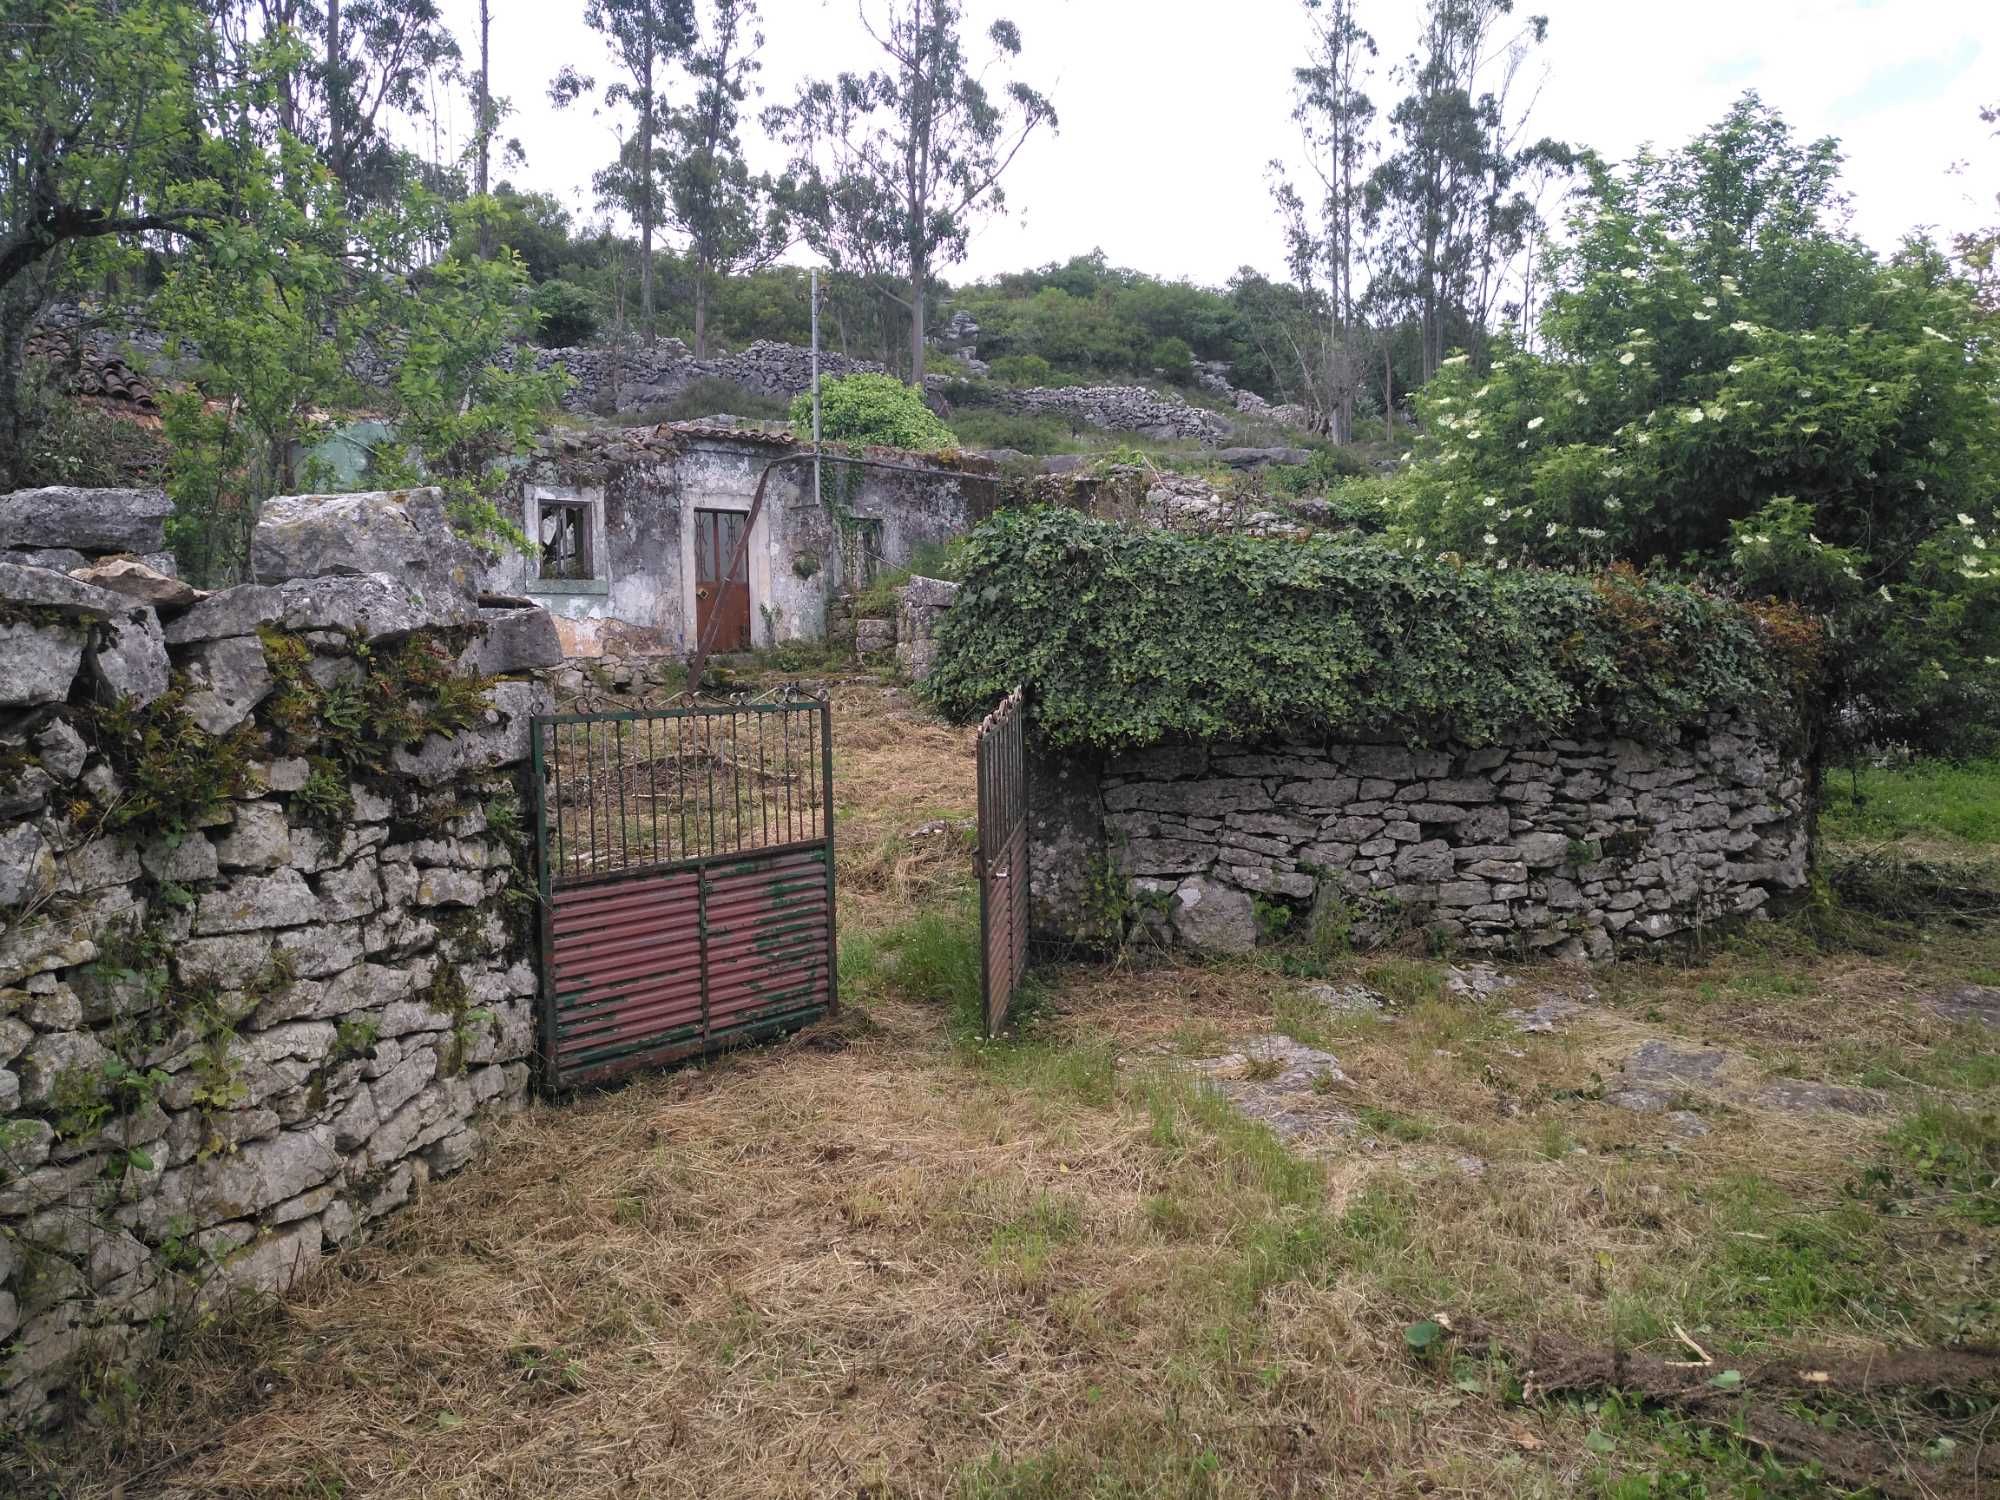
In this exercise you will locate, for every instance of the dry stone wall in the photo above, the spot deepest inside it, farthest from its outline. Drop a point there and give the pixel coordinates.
(263, 964)
(1577, 847)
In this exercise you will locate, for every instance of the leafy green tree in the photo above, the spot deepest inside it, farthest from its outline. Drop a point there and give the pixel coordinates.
(1736, 386)
(730, 217)
(873, 409)
(462, 409)
(646, 37)
(115, 135)
(267, 314)
(897, 165)
(1978, 250)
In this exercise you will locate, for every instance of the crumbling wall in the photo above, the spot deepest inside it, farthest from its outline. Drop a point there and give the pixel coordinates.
(1576, 847)
(263, 963)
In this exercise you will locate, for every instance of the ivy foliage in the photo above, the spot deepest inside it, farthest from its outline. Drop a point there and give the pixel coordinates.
(1128, 637)
(873, 409)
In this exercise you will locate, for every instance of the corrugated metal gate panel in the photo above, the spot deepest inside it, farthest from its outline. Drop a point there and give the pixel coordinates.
(682, 908)
(1002, 859)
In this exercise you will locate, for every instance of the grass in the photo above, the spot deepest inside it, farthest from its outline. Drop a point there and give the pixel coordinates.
(1931, 800)
(894, 1259)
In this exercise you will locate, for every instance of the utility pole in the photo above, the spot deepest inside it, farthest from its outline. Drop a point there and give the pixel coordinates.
(813, 285)
(485, 130)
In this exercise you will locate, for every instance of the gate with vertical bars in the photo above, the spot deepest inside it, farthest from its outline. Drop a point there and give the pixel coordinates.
(1001, 861)
(686, 874)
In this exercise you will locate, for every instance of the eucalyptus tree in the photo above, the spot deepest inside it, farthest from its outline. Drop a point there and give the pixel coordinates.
(1334, 115)
(896, 165)
(730, 216)
(1445, 200)
(646, 37)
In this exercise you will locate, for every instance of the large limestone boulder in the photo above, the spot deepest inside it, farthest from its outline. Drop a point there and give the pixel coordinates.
(402, 534)
(137, 580)
(515, 640)
(93, 521)
(372, 606)
(54, 617)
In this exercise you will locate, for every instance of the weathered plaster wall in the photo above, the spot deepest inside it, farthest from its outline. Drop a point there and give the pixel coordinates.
(1577, 847)
(646, 485)
(237, 1028)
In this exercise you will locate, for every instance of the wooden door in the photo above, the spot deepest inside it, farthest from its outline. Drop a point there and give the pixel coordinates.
(719, 593)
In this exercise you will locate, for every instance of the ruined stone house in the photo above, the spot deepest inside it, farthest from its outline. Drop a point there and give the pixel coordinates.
(637, 530)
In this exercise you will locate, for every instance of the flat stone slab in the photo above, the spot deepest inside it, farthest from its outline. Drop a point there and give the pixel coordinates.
(1660, 1074)
(1290, 1099)
(1346, 999)
(1478, 982)
(1976, 1002)
(1548, 1016)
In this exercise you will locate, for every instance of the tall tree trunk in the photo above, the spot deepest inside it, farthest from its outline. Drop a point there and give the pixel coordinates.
(700, 311)
(646, 197)
(336, 97)
(485, 129)
(1388, 390)
(919, 281)
(15, 315)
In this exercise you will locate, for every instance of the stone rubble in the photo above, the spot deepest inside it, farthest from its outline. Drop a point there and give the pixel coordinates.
(332, 1012)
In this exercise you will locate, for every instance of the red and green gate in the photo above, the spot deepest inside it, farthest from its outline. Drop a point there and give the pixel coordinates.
(686, 876)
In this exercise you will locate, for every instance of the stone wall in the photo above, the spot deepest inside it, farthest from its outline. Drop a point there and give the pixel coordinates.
(263, 966)
(1115, 408)
(1577, 848)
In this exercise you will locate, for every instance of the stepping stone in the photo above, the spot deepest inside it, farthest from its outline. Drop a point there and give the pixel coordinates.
(1794, 1096)
(1663, 1062)
(1291, 1100)
(1546, 1017)
(1478, 982)
(1346, 999)
(1658, 1072)
(1976, 1002)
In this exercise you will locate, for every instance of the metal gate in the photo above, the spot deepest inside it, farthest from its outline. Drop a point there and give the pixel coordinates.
(1002, 858)
(686, 874)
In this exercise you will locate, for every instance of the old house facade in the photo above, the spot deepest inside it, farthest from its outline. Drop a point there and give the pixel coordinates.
(637, 533)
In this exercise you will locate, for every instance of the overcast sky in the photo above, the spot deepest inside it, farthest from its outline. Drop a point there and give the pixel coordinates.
(1171, 108)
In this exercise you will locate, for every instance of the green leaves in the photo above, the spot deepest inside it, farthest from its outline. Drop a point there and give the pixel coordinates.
(873, 409)
(1127, 638)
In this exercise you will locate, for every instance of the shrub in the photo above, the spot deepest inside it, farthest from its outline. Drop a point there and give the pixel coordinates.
(711, 396)
(1023, 369)
(565, 314)
(873, 409)
(1127, 637)
(1174, 360)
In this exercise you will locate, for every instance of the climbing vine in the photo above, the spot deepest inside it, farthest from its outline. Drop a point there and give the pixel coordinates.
(1129, 637)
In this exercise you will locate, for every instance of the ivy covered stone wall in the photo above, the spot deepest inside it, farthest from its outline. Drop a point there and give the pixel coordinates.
(264, 915)
(1568, 847)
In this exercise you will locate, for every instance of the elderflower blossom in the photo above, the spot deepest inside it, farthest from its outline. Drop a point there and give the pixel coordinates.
(1694, 414)
(1743, 325)
(1710, 302)
(1580, 399)
(1943, 675)
(1852, 574)
(1965, 520)
(1814, 539)
(1490, 501)
(1758, 539)
(1699, 317)
(1935, 334)
(1613, 504)
(1501, 567)
(1736, 369)
(1590, 531)
(1627, 357)
(1553, 529)
(1490, 539)
(1921, 485)
(1534, 422)
(1631, 273)
(1457, 359)
(1884, 592)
